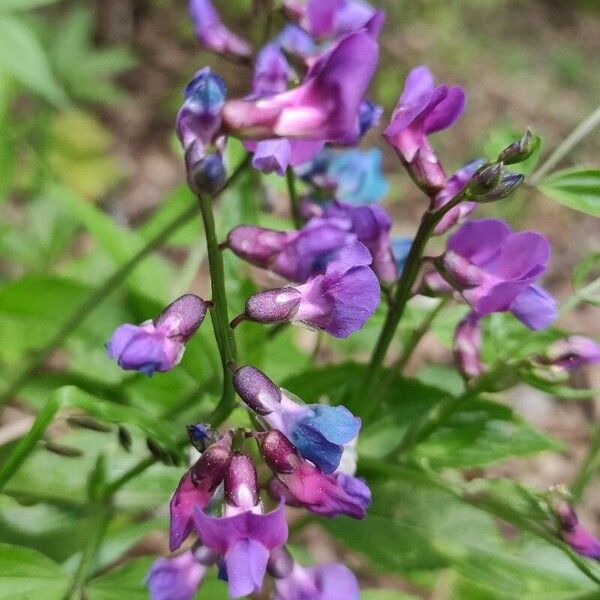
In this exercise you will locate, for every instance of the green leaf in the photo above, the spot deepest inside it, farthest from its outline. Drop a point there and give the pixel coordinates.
(22, 5)
(590, 265)
(32, 69)
(576, 188)
(27, 574)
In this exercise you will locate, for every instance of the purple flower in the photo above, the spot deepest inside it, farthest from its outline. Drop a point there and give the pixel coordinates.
(271, 72)
(330, 581)
(196, 488)
(423, 109)
(467, 345)
(331, 18)
(295, 40)
(175, 578)
(245, 536)
(198, 126)
(571, 353)
(339, 301)
(575, 534)
(157, 345)
(295, 255)
(324, 107)
(456, 183)
(318, 431)
(495, 270)
(299, 483)
(372, 225)
(276, 155)
(212, 34)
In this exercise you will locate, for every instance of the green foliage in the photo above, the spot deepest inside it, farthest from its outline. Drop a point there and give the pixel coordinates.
(576, 188)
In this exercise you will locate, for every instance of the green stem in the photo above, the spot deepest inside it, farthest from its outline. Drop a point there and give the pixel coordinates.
(100, 294)
(577, 135)
(218, 312)
(396, 310)
(589, 467)
(294, 207)
(580, 296)
(102, 514)
(417, 335)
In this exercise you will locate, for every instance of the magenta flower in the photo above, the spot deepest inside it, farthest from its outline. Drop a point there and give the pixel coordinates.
(423, 109)
(339, 301)
(331, 18)
(295, 255)
(330, 581)
(276, 155)
(495, 270)
(467, 345)
(456, 184)
(571, 353)
(213, 35)
(575, 534)
(196, 488)
(318, 431)
(299, 483)
(324, 107)
(157, 345)
(372, 225)
(245, 536)
(175, 578)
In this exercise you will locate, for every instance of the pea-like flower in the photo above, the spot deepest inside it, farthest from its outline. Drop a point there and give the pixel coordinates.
(571, 353)
(319, 432)
(495, 270)
(299, 483)
(211, 32)
(467, 346)
(196, 488)
(324, 107)
(575, 534)
(158, 345)
(176, 578)
(423, 109)
(295, 255)
(339, 301)
(244, 536)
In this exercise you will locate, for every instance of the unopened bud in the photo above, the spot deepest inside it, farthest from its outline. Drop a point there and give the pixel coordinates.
(467, 345)
(241, 483)
(279, 453)
(485, 179)
(182, 317)
(256, 390)
(273, 306)
(571, 353)
(210, 469)
(510, 182)
(201, 435)
(256, 244)
(459, 272)
(427, 173)
(520, 150)
(206, 175)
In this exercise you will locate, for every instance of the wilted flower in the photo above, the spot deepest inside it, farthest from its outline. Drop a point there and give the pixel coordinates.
(338, 301)
(212, 34)
(157, 345)
(423, 109)
(318, 431)
(495, 270)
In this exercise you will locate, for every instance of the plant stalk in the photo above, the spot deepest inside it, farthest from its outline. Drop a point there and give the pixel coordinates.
(290, 177)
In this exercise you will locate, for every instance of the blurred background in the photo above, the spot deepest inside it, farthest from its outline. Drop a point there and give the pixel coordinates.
(88, 97)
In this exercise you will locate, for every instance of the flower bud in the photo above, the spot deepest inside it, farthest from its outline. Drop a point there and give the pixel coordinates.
(256, 390)
(273, 305)
(241, 483)
(256, 244)
(520, 150)
(459, 272)
(571, 353)
(467, 344)
(510, 182)
(279, 453)
(575, 534)
(485, 179)
(206, 175)
(427, 173)
(201, 436)
(182, 317)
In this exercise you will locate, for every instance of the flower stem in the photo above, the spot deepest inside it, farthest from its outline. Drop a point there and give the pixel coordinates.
(295, 209)
(100, 294)
(218, 312)
(577, 135)
(589, 467)
(396, 309)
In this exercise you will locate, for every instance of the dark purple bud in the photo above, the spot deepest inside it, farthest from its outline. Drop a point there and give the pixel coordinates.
(572, 352)
(485, 179)
(467, 345)
(520, 150)
(206, 175)
(510, 182)
(273, 305)
(256, 390)
(279, 453)
(182, 318)
(210, 469)
(201, 436)
(280, 563)
(458, 271)
(427, 173)
(241, 483)
(257, 245)
(575, 534)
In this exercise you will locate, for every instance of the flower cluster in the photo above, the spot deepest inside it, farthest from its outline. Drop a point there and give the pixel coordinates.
(306, 103)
